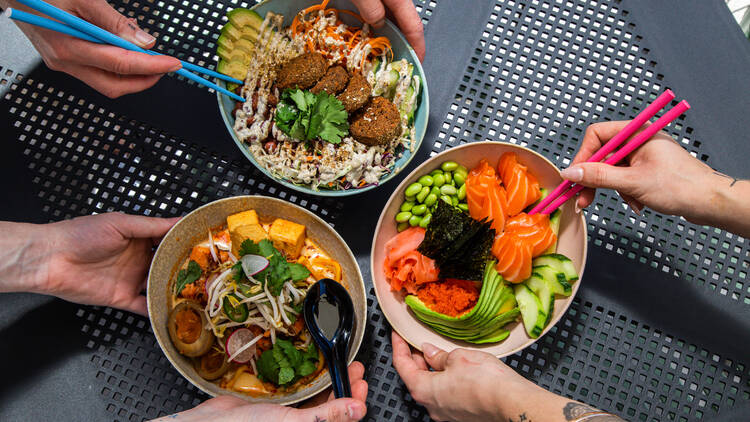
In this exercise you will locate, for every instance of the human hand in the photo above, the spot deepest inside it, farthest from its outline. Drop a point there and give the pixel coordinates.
(101, 259)
(464, 384)
(110, 70)
(660, 174)
(407, 18)
(229, 408)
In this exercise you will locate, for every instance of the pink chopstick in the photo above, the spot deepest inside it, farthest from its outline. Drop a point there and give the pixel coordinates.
(613, 143)
(637, 141)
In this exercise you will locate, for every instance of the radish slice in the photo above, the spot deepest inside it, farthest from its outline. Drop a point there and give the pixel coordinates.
(211, 246)
(209, 282)
(240, 345)
(253, 264)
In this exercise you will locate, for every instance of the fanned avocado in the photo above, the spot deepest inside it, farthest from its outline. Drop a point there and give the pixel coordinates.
(495, 308)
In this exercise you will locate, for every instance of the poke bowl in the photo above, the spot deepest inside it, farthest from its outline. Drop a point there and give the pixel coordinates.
(333, 107)
(225, 294)
(457, 261)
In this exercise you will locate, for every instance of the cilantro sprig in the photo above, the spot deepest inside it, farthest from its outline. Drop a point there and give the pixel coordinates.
(187, 276)
(284, 364)
(307, 116)
(279, 270)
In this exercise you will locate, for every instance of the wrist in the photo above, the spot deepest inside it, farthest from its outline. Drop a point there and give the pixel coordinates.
(25, 257)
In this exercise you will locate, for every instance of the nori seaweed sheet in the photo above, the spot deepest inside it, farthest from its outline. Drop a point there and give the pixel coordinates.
(459, 244)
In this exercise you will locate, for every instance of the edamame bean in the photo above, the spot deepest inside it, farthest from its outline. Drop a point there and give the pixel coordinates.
(436, 171)
(406, 206)
(464, 207)
(425, 221)
(459, 178)
(410, 198)
(403, 216)
(425, 180)
(449, 166)
(461, 192)
(413, 189)
(448, 177)
(435, 191)
(447, 199)
(419, 209)
(430, 200)
(402, 226)
(423, 194)
(454, 201)
(448, 190)
(415, 220)
(438, 180)
(461, 169)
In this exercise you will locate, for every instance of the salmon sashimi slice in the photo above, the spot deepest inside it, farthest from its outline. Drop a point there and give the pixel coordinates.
(533, 229)
(484, 195)
(404, 267)
(513, 257)
(521, 186)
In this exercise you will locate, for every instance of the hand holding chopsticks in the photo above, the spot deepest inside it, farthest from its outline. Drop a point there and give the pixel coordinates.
(567, 189)
(77, 27)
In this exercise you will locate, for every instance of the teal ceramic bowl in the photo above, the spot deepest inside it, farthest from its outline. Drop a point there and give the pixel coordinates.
(401, 50)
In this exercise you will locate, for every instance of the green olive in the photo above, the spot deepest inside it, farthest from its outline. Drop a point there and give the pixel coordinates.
(449, 166)
(406, 206)
(461, 192)
(425, 180)
(438, 180)
(419, 209)
(403, 216)
(415, 220)
(448, 190)
(430, 200)
(423, 194)
(413, 189)
(402, 226)
(425, 221)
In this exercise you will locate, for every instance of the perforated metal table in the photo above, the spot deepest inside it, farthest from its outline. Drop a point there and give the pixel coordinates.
(660, 327)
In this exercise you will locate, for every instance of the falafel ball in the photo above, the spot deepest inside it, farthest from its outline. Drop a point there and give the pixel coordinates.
(301, 72)
(377, 123)
(356, 94)
(333, 82)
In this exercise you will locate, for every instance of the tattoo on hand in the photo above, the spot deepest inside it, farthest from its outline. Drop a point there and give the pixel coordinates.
(733, 179)
(574, 411)
(521, 418)
(317, 419)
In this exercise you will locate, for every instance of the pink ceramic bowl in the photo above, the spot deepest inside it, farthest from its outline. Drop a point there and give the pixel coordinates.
(571, 242)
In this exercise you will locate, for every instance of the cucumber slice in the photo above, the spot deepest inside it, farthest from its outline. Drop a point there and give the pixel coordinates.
(233, 68)
(554, 223)
(543, 290)
(532, 313)
(557, 279)
(559, 263)
(241, 18)
(231, 32)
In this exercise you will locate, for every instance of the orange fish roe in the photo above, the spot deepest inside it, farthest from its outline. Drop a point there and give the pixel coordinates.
(450, 297)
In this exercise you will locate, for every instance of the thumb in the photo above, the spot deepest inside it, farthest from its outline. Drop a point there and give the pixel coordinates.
(339, 410)
(141, 227)
(600, 175)
(101, 14)
(434, 356)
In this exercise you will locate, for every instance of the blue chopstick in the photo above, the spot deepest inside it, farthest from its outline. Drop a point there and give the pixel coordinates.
(93, 31)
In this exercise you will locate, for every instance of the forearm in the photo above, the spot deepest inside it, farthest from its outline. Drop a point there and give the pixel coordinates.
(726, 204)
(533, 403)
(24, 257)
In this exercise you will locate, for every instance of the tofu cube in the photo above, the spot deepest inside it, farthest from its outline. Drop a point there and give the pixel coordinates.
(242, 219)
(252, 232)
(287, 236)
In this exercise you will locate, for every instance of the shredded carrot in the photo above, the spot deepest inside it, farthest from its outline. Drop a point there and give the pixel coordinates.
(450, 297)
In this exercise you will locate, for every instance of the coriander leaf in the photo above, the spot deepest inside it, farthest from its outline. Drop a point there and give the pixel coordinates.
(286, 375)
(298, 309)
(248, 247)
(298, 271)
(329, 118)
(268, 367)
(239, 274)
(306, 368)
(265, 248)
(299, 98)
(188, 276)
(286, 116)
(312, 352)
(294, 356)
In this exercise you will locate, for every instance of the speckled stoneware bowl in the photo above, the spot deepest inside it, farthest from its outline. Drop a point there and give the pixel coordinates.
(571, 242)
(193, 228)
(401, 50)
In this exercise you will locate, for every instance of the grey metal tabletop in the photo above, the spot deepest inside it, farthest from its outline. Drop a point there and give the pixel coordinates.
(659, 328)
